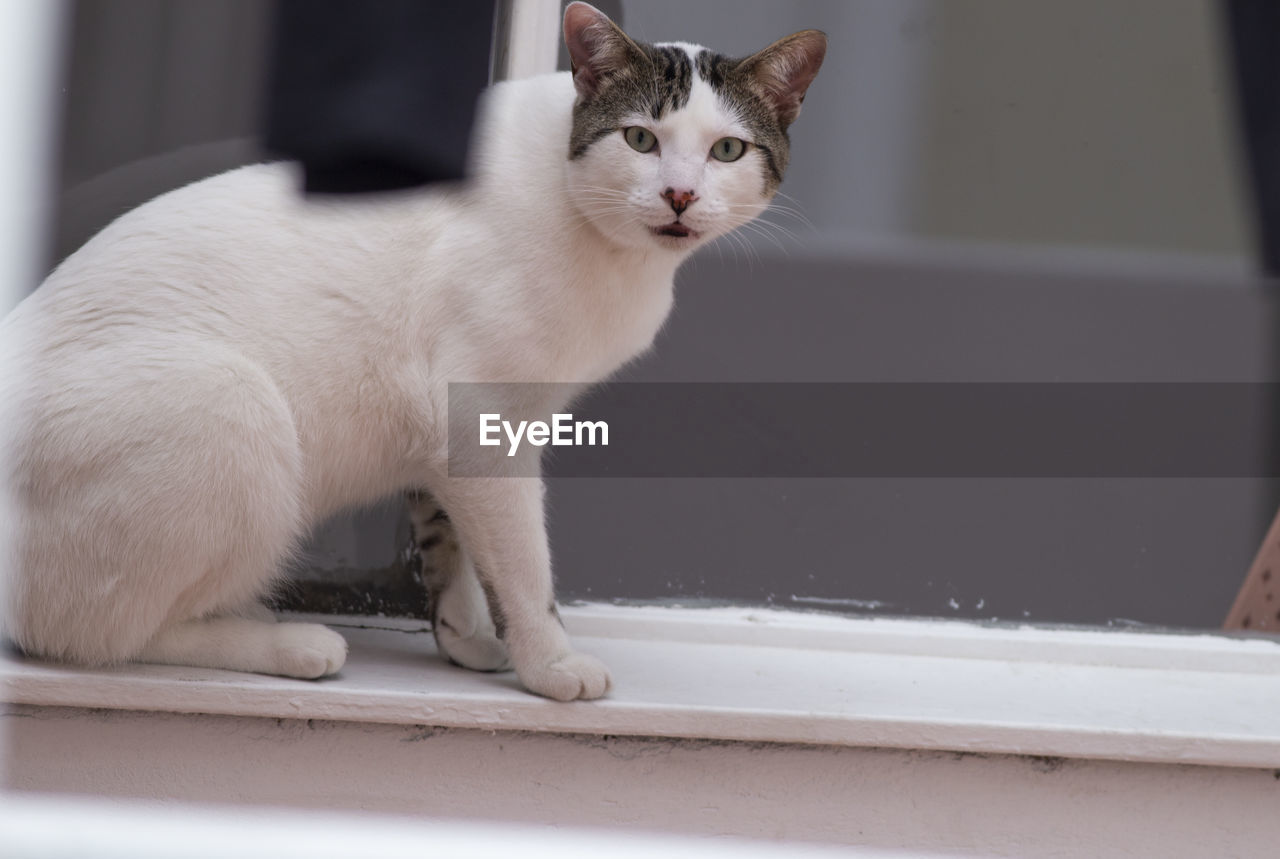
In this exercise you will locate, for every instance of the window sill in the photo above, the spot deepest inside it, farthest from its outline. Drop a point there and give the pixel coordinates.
(778, 677)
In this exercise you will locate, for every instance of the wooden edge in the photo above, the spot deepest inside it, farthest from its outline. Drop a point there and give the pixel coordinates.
(1257, 605)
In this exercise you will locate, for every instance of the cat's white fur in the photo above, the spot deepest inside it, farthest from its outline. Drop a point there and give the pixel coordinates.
(226, 366)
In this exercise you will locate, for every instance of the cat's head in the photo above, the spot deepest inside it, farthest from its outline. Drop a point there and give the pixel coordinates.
(672, 144)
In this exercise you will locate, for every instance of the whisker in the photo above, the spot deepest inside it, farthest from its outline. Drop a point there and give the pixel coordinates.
(755, 229)
(737, 241)
(779, 229)
(781, 210)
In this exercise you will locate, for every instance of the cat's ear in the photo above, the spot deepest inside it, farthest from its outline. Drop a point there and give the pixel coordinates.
(597, 46)
(784, 70)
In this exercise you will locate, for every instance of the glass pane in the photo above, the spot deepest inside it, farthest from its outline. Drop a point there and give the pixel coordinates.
(1033, 191)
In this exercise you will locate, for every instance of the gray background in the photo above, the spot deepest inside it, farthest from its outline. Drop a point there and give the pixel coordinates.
(992, 190)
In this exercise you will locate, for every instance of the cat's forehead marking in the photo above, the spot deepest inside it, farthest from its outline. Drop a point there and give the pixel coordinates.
(658, 82)
(672, 79)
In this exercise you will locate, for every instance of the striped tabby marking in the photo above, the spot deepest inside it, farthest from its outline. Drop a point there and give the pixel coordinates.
(496, 613)
(438, 549)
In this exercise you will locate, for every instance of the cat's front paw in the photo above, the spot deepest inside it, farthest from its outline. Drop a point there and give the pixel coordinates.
(308, 650)
(568, 678)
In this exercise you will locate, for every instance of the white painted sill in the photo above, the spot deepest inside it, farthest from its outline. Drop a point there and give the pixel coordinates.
(773, 676)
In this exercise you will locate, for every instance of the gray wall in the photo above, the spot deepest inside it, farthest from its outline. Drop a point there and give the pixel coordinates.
(1167, 551)
(908, 139)
(1084, 123)
(1046, 122)
(157, 93)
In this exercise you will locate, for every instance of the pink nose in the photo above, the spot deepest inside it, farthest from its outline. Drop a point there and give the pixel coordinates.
(679, 200)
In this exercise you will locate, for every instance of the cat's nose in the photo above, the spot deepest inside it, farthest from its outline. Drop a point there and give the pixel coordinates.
(680, 200)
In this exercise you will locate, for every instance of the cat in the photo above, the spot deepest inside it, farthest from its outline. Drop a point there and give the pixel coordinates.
(224, 367)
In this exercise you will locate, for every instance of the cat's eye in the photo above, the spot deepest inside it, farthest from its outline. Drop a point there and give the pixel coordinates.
(640, 139)
(728, 149)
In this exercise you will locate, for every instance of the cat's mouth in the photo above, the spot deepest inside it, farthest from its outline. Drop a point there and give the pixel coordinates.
(676, 230)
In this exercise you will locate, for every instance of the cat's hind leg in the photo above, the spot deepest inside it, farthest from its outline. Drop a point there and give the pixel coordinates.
(171, 494)
(460, 617)
(304, 650)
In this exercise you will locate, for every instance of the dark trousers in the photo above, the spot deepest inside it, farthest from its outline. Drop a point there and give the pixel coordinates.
(373, 96)
(1253, 30)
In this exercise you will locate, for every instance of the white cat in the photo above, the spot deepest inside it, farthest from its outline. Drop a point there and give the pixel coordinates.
(219, 370)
